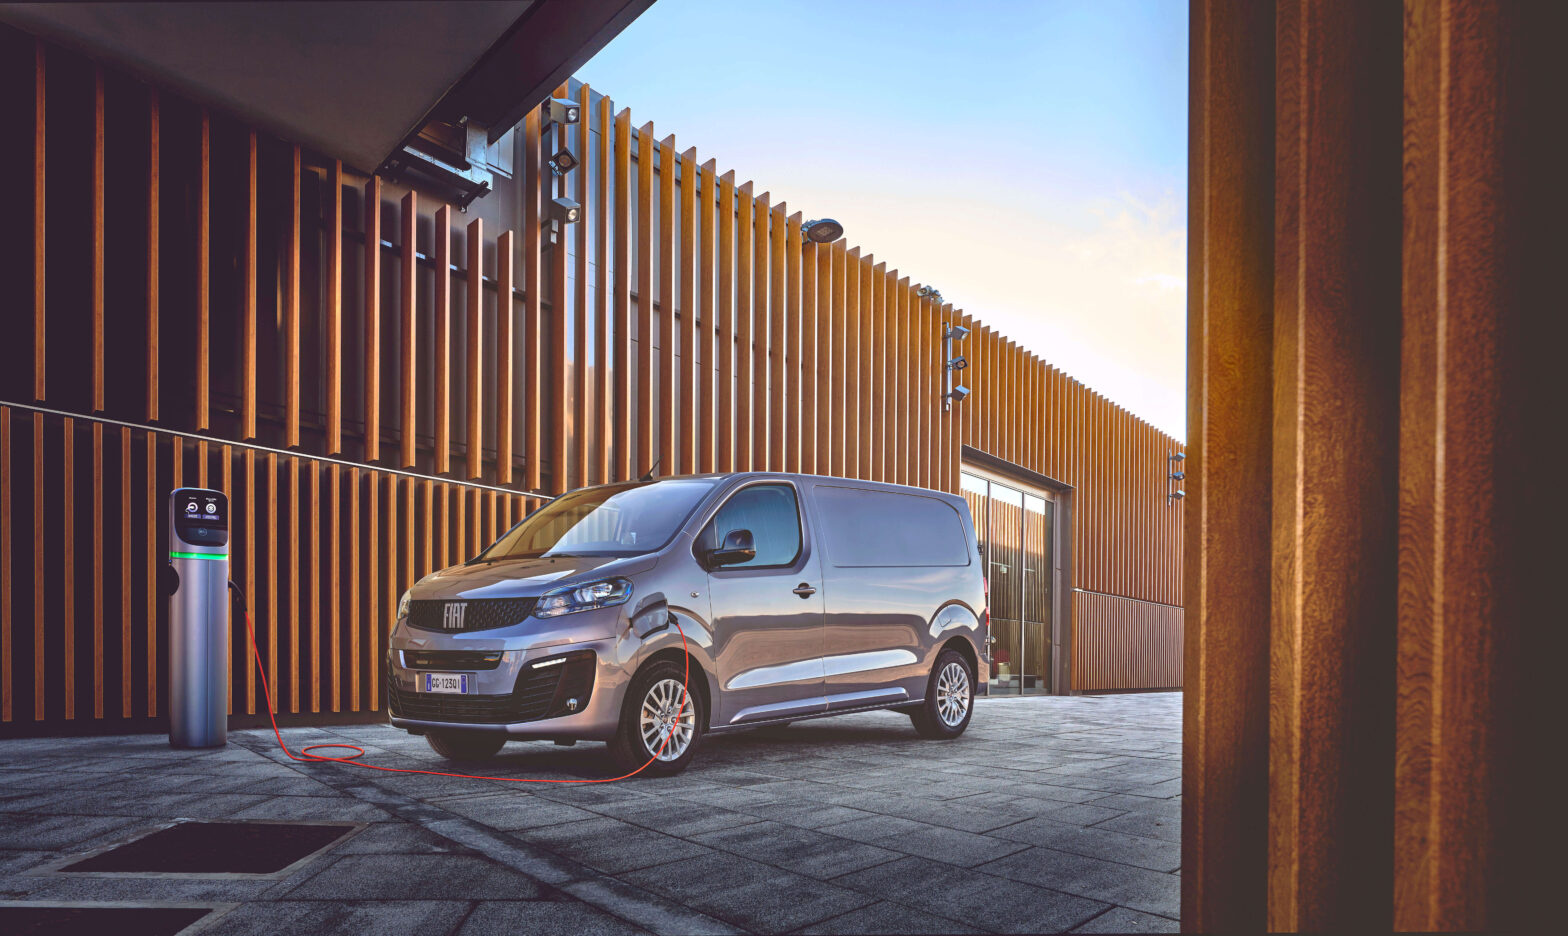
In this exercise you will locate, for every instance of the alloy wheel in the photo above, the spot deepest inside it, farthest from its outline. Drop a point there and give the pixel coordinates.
(667, 713)
(952, 694)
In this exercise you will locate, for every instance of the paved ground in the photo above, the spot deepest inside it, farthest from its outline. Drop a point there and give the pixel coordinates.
(1049, 814)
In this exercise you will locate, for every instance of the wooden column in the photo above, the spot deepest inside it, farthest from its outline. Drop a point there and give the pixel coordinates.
(1335, 462)
(1230, 292)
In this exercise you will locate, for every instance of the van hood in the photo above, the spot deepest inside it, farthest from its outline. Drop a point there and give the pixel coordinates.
(524, 578)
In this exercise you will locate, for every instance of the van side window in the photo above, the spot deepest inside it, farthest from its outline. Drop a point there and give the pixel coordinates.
(881, 528)
(770, 513)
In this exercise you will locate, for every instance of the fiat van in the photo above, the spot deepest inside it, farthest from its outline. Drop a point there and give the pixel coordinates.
(649, 614)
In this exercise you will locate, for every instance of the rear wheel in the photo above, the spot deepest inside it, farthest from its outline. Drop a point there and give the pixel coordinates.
(949, 700)
(465, 745)
(661, 722)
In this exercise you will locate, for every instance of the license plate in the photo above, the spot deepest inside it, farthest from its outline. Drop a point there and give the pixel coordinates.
(456, 683)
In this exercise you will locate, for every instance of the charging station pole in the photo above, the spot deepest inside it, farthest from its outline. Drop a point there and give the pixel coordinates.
(198, 618)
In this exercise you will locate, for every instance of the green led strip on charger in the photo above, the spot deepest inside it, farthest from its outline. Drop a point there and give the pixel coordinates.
(185, 555)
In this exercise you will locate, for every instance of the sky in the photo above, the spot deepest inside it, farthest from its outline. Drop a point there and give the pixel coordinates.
(1028, 158)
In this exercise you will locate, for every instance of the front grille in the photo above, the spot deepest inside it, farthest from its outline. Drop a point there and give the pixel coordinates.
(479, 614)
(452, 659)
(529, 701)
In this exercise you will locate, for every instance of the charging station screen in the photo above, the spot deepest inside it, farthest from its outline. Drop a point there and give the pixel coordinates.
(202, 518)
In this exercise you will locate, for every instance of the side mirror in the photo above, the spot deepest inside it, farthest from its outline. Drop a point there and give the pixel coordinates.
(738, 547)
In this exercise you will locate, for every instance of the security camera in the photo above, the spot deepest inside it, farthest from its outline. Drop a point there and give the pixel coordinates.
(565, 210)
(957, 363)
(959, 392)
(956, 332)
(822, 231)
(561, 111)
(563, 162)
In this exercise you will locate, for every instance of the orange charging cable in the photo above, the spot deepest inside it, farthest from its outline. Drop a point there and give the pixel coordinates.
(353, 760)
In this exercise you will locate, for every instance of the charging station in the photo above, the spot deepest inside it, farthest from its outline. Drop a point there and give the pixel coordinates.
(198, 618)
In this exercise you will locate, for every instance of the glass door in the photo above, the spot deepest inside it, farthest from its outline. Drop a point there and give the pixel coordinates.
(1016, 530)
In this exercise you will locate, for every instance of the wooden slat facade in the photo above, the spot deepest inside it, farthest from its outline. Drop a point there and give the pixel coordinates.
(701, 333)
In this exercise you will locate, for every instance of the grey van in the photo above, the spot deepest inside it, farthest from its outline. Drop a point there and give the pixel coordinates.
(788, 597)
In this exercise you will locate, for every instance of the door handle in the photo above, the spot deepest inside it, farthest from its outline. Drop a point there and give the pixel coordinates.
(805, 590)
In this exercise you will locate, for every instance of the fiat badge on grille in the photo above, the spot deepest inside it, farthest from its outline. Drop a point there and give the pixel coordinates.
(452, 616)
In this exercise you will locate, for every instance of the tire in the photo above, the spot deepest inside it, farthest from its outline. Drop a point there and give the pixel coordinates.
(460, 745)
(656, 692)
(950, 698)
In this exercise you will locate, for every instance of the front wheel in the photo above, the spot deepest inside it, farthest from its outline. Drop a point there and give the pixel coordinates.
(661, 723)
(949, 700)
(466, 745)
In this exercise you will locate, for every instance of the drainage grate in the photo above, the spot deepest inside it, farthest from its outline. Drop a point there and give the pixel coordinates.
(216, 848)
(18, 920)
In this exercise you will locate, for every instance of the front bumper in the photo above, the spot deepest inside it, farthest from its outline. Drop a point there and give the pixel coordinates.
(517, 696)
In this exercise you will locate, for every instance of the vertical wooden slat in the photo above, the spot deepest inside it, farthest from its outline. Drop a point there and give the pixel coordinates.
(778, 328)
(899, 384)
(409, 278)
(838, 330)
(248, 285)
(227, 473)
(154, 262)
(271, 618)
(474, 337)
(372, 319)
(582, 430)
(790, 458)
(872, 290)
(427, 561)
(745, 207)
(294, 584)
(668, 415)
(623, 314)
(203, 360)
(604, 419)
(827, 364)
(356, 663)
(687, 444)
(332, 597)
(290, 350)
(125, 565)
(850, 325)
(334, 308)
(808, 358)
(97, 570)
(442, 352)
(374, 544)
(760, 313)
(726, 326)
(6, 570)
(40, 219)
(645, 407)
(151, 591)
(711, 333)
(97, 243)
(560, 333)
(533, 312)
(68, 558)
(505, 339)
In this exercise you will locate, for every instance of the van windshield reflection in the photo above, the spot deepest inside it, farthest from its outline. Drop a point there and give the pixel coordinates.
(611, 521)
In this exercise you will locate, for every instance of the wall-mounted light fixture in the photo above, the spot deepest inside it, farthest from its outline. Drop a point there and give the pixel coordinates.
(1175, 476)
(562, 211)
(563, 162)
(935, 295)
(560, 110)
(821, 231)
(955, 363)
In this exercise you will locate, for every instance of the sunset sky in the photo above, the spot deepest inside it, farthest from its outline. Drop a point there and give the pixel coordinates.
(1027, 158)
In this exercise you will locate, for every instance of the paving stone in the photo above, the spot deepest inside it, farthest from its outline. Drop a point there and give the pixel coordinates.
(60, 832)
(513, 810)
(542, 916)
(674, 817)
(610, 845)
(415, 877)
(329, 808)
(348, 918)
(1149, 825)
(803, 851)
(1121, 884)
(950, 846)
(1096, 842)
(1123, 920)
(754, 896)
(886, 917)
(873, 828)
(981, 900)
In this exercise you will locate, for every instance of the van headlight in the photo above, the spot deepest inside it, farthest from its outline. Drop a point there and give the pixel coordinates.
(604, 594)
(403, 605)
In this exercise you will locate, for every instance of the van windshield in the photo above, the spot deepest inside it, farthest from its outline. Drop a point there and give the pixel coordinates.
(614, 520)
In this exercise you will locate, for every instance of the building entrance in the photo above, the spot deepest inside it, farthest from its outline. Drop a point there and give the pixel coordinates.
(1016, 526)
